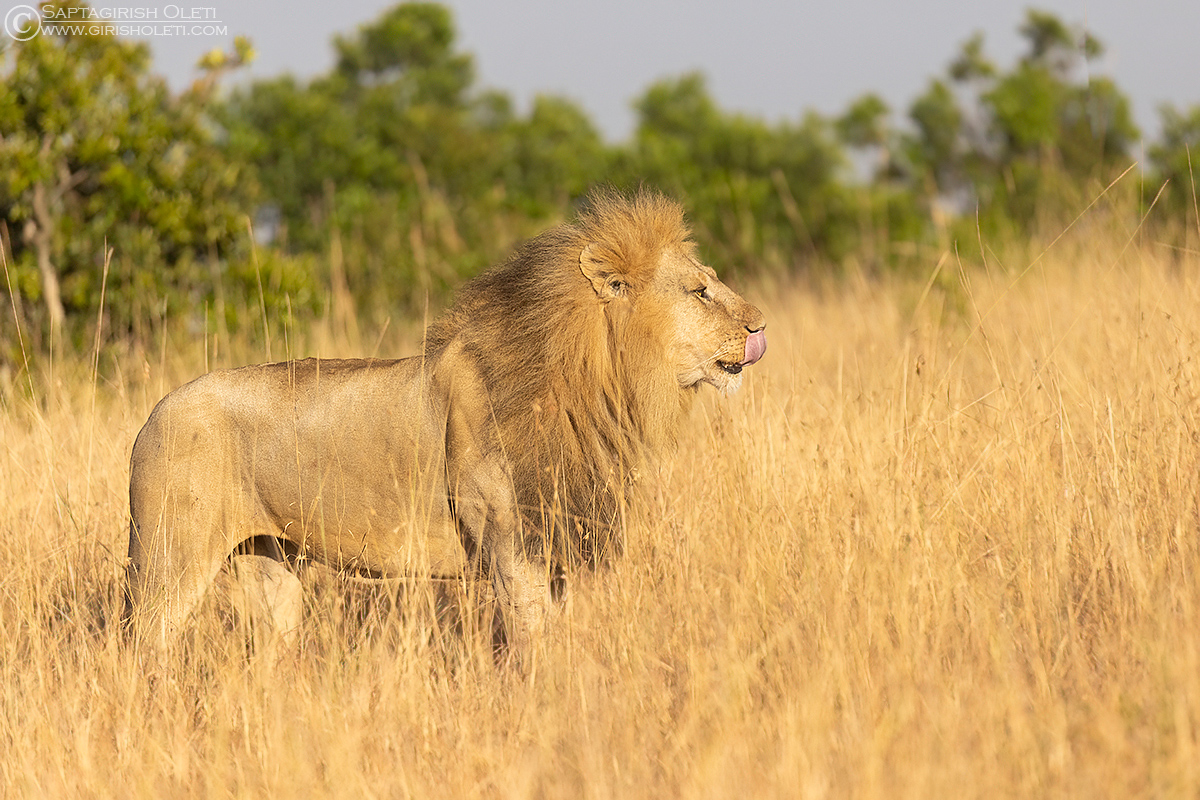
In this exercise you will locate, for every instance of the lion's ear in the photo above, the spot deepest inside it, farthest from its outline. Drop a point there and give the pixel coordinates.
(606, 281)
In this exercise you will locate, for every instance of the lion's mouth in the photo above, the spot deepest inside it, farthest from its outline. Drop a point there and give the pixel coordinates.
(756, 345)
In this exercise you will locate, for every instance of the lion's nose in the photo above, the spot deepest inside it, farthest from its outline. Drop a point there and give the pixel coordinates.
(756, 345)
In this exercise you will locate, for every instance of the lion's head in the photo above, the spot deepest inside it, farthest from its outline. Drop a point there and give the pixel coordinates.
(676, 307)
(593, 338)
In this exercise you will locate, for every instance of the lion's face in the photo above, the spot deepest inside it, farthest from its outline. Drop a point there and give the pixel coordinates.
(716, 332)
(675, 309)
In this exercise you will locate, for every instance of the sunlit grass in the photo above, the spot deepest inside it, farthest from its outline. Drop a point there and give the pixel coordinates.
(942, 543)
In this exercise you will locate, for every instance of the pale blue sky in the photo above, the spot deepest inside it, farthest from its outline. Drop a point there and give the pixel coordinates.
(764, 57)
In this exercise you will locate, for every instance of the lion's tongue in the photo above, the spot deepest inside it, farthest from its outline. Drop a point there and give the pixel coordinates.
(756, 345)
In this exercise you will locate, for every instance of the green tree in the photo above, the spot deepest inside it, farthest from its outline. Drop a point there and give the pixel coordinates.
(1030, 141)
(410, 50)
(558, 155)
(971, 64)
(96, 153)
(864, 126)
(757, 192)
(1176, 160)
(1053, 44)
(395, 105)
(935, 149)
(1056, 132)
(396, 139)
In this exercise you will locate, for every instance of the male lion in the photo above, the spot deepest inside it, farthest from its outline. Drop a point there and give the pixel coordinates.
(507, 449)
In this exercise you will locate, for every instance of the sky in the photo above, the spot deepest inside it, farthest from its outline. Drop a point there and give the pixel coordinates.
(768, 58)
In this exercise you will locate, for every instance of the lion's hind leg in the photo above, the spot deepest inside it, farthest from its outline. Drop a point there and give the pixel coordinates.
(266, 595)
(164, 586)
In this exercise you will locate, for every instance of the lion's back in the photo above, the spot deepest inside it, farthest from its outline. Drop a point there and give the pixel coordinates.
(250, 436)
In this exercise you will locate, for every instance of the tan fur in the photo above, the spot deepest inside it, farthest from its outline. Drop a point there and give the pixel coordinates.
(508, 448)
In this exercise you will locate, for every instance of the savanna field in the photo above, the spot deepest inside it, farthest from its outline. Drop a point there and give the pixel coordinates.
(944, 543)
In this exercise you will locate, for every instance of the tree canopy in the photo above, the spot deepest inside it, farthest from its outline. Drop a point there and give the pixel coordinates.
(394, 175)
(96, 153)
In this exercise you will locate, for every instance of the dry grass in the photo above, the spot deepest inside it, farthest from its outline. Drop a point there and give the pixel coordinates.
(941, 544)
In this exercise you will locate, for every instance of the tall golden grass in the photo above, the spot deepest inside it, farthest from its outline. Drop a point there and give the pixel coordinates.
(944, 543)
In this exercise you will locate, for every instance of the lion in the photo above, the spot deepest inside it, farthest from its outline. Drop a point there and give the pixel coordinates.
(507, 450)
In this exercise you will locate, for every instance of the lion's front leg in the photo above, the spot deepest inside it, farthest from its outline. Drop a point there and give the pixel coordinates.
(523, 592)
(486, 508)
(480, 486)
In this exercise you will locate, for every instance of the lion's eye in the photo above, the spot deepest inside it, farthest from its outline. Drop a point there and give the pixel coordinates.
(702, 293)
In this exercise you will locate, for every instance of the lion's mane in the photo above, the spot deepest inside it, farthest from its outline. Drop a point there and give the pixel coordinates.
(580, 390)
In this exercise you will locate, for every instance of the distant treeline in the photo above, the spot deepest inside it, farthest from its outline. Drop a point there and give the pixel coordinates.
(383, 183)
